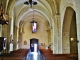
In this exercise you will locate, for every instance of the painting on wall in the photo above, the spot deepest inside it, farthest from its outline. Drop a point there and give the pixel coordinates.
(25, 42)
(42, 44)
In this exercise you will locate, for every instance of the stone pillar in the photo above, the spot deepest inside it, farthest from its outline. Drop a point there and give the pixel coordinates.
(54, 36)
(51, 31)
(0, 30)
(17, 38)
(59, 34)
(20, 40)
(11, 27)
(78, 25)
(11, 34)
(51, 41)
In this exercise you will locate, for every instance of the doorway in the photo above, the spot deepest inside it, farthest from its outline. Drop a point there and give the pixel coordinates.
(34, 45)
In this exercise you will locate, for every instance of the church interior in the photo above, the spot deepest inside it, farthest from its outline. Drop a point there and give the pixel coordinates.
(39, 29)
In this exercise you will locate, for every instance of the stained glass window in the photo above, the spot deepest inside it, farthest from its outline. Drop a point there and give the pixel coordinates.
(34, 26)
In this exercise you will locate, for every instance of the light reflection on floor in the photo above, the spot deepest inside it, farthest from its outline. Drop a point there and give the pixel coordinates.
(33, 56)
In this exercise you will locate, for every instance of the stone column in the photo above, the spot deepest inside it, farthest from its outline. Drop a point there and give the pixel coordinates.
(54, 35)
(11, 34)
(17, 38)
(0, 30)
(51, 41)
(59, 40)
(78, 25)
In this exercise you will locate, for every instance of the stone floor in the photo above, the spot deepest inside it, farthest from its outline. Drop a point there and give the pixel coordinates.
(34, 56)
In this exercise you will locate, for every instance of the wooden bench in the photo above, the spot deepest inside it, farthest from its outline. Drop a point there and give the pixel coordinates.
(13, 58)
(60, 56)
(20, 51)
(45, 50)
(19, 54)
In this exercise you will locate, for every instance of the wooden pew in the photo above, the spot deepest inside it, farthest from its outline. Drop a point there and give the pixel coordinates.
(45, 50)
(13, 57)
(20, 51)
(49, 56)
(19, 54)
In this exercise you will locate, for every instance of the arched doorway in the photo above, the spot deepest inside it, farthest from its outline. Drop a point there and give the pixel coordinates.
(69, 32)
(34, 45)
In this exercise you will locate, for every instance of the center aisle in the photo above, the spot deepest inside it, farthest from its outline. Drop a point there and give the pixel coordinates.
(34, 56)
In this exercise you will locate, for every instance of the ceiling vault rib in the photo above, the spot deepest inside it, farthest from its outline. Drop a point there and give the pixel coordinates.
(55, 5)
(51, 3)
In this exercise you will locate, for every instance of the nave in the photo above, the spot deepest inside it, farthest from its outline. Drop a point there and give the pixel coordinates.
(34, 56)
(43, 54)
(21, 54)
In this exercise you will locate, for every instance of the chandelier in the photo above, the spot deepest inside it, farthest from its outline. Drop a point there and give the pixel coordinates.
(33, 23)
(3, 19)
(30, 2)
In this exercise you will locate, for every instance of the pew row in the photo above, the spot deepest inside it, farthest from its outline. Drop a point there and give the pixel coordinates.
(19, 54)
(48, 55)
(45, 50)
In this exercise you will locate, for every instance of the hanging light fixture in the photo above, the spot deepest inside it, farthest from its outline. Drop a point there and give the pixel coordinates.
(30, 2)
(3, 19)
(34, 24)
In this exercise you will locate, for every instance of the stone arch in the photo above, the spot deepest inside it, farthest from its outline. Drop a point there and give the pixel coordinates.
(42, 33)
(66, 30)
(25, 33)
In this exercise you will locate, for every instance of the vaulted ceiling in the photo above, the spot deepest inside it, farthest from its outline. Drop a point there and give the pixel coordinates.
(44, 10)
